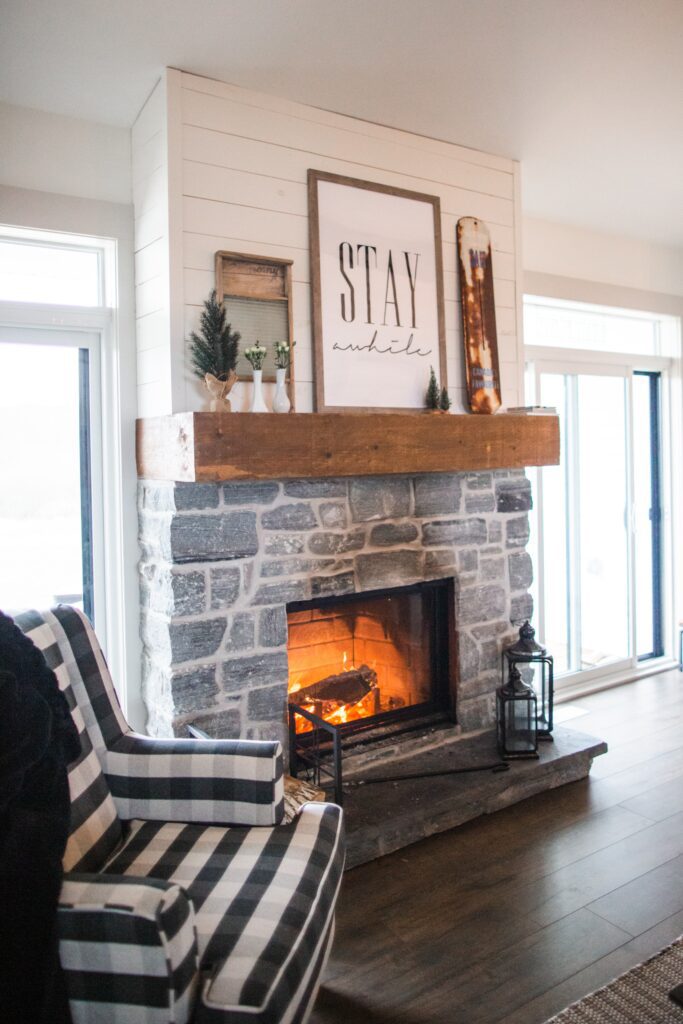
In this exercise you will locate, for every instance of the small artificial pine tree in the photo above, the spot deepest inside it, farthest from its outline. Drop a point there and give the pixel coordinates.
(216, 348)
(432, 397)
(444, 401)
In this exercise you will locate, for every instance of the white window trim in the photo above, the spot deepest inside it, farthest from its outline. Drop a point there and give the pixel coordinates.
(106, 450)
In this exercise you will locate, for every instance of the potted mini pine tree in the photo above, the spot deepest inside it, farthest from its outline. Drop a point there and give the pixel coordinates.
(213, 353)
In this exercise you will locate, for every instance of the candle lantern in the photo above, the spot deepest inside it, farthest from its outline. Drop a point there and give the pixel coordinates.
(516, 718)
(536, 668)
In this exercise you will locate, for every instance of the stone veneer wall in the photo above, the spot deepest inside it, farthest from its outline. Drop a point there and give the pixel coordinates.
(220, 562)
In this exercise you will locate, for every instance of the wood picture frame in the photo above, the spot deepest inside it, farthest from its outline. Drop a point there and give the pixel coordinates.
(382, 244)
(257, 289)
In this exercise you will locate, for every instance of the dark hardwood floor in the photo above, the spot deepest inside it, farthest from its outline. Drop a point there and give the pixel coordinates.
(512, 917)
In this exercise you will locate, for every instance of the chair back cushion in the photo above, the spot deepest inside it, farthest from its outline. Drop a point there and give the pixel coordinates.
(70, 648)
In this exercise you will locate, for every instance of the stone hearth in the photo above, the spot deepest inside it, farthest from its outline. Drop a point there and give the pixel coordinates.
(220, 562)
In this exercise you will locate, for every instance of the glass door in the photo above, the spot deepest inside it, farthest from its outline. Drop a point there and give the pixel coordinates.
(48, 504)
(583, 537)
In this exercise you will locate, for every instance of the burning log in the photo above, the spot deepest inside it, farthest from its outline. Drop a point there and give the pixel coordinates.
(345, 688)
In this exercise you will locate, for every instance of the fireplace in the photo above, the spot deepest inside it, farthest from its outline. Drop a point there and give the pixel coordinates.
(371, 659)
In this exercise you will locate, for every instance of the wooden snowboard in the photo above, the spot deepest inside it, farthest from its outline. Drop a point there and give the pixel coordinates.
(480, 339)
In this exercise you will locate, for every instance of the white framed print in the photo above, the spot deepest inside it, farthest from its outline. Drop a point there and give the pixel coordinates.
(377, 294)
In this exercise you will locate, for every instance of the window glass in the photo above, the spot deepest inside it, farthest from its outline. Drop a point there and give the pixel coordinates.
(582, 327)
(50, 274)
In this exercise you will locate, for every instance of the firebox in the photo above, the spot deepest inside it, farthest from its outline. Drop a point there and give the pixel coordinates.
(370, 659)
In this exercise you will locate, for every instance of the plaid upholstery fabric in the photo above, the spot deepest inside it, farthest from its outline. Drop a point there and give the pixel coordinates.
(264, 902)
(95, 828)
(128, 949)
(224, 781)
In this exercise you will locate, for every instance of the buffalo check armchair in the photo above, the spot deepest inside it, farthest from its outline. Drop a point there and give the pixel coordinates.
(185, 898)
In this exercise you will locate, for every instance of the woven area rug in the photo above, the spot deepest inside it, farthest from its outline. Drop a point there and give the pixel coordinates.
(641, 996)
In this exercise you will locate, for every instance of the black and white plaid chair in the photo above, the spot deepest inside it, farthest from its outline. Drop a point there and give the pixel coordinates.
(184, 897)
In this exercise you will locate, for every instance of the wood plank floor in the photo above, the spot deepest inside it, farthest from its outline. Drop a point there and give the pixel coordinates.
(512, 917)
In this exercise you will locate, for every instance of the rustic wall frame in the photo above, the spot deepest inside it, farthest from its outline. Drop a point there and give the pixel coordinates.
(247, 285)
(413, 226)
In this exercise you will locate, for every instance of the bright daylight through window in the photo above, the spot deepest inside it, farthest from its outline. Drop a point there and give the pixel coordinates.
(600, 529)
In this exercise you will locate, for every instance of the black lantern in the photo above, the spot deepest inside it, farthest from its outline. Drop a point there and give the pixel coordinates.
(517, 714)
(536, 667)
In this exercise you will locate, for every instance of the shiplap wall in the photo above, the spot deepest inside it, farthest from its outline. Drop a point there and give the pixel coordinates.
(236, 165)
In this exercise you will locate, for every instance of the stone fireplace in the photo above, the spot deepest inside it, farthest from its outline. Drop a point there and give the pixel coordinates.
(223, 563)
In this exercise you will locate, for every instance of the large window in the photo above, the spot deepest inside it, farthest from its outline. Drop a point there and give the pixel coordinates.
(54, 325)
(598, 527)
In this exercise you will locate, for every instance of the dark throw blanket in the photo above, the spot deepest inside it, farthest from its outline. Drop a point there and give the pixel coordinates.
(37, 741)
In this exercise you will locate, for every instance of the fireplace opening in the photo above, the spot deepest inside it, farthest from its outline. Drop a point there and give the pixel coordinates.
(373, 658)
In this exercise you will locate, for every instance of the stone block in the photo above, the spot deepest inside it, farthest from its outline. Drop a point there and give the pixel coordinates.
(281, 592)
(491, 568)
(439, 562)
(154, 537)
(155, 636)
(468, 560)
(521, 609)
(333, 515)
(513, 495)
(255, 670)
(480, 501)
(491, 629)
(468, 658)
(293, 566)
(517, 532)
(489, 654)
(336, 543)
(480, 604)
(213, 538)
(267, 704)
(198, 639)
(155, 496)
(327, 487)
(454, 531)
(379, 497)
(194, 688)
(479, 481)
(284, 544)
(272, 627)
(189, 592)
(195, 496)
(242, 632)
(521, 570)
(328, 586)
(484, 684)
(388, 568)
(389, 534)
(495, 531)
(437, 495)
(223, 724)
(294, 516)
(250, 493)
(476, 713)
(225, 586)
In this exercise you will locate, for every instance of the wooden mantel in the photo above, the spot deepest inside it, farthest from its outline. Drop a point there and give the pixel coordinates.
(205, 446)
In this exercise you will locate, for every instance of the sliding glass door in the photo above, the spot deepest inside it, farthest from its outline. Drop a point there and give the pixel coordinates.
(598, 519)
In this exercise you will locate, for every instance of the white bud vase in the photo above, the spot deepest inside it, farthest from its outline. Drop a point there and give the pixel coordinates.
(281, 402)
(257, 402)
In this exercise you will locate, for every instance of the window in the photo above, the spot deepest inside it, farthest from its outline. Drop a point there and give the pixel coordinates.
(598, 533)
(55, 328)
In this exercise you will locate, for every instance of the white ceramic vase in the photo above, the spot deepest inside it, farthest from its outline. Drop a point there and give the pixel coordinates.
(257, 402)
(281, 402)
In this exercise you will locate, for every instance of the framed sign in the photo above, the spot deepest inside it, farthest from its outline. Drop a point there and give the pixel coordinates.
(377, 294)
(256, 292)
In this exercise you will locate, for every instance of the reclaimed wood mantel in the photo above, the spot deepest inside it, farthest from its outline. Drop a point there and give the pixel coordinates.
(205, 446)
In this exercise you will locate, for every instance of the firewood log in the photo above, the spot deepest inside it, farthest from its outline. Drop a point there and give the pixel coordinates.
(345, 688)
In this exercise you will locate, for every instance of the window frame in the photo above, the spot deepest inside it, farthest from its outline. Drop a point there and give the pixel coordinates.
(106, 428)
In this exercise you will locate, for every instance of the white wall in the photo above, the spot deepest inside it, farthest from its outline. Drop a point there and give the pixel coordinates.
(64, 155)
(580, 254)
(237, 164)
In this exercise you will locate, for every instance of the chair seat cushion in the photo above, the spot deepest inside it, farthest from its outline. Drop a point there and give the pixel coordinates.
(263, 899)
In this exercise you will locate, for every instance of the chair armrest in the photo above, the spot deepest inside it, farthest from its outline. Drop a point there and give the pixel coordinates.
(219, 782)
(128, 948)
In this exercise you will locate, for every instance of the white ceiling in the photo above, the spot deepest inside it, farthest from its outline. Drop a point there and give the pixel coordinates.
(588, 94)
